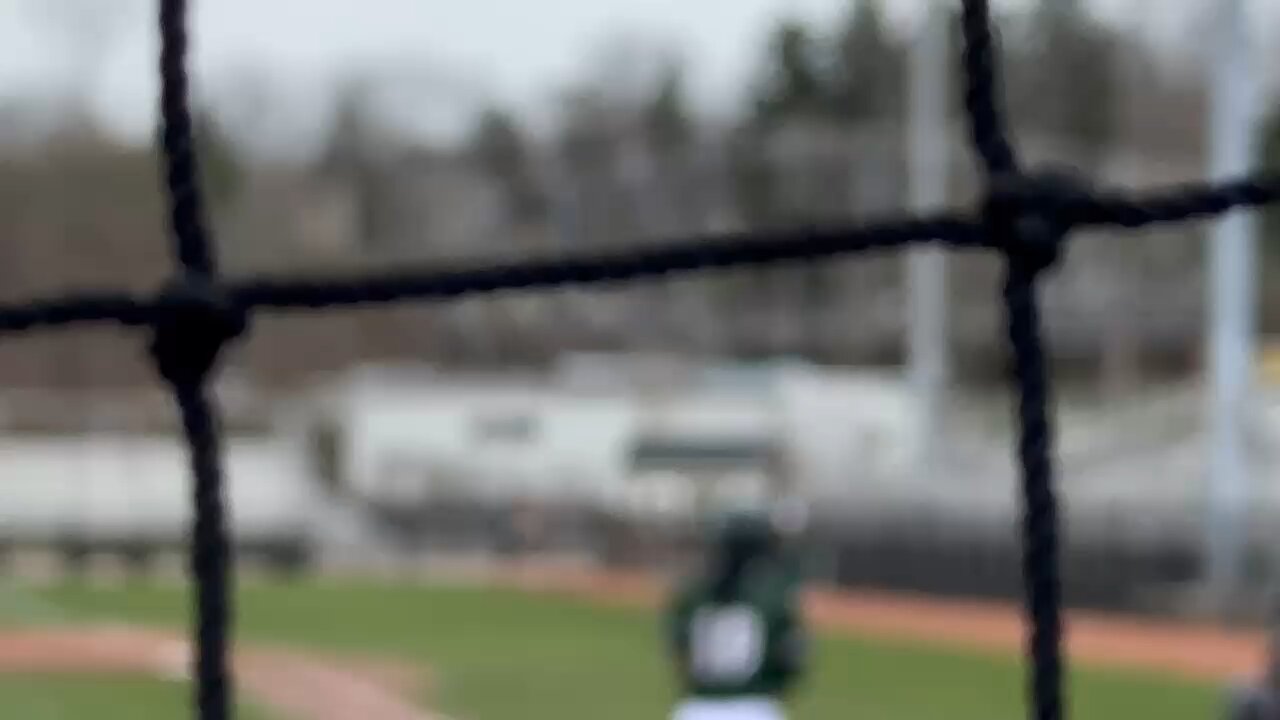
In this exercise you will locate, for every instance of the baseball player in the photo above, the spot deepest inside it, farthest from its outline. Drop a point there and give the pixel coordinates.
(1259, 700)
(736, 634)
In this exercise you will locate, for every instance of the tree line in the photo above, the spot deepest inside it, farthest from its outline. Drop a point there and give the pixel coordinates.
(630, 157)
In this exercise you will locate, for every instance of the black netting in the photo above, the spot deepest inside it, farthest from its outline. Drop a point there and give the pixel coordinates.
(1025, 216)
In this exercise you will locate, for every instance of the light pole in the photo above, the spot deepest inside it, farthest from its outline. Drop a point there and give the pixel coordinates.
(927, 266)
(1232, 303)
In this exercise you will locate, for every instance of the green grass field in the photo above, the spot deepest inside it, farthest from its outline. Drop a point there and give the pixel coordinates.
(100, 697)
(504, 655)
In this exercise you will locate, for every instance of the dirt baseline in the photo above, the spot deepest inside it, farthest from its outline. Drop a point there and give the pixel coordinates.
(296, 686)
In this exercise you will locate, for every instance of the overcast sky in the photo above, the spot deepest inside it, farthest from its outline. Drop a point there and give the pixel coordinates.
(515, 50)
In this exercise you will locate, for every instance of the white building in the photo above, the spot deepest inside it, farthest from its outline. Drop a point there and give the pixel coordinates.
(109, 489)
(606, 435)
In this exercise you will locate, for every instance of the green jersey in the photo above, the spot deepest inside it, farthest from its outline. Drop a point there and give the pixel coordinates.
(749, 644)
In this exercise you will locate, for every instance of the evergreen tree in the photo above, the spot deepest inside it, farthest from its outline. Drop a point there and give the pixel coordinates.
(499, 147)
(793, 83)
(220, 167)
(667, 124)
(349, 155)
(1071, 78)
(219, 162)
(867, 76)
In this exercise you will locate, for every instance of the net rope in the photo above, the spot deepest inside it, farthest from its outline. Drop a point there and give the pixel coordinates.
(1024, 215)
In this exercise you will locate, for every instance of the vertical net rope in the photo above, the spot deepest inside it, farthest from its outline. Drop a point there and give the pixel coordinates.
(194, 323)
(1025, 216)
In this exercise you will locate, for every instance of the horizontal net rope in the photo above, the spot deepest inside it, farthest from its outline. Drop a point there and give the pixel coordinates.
(1175, 203)
(1024, 215)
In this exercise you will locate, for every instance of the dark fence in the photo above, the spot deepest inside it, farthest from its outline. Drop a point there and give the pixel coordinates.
(1106, 568)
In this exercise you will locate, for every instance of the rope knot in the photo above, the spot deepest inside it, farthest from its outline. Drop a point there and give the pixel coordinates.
(1028, 215)
(195, 320)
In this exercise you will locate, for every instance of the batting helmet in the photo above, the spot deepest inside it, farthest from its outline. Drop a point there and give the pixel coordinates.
(744, 532)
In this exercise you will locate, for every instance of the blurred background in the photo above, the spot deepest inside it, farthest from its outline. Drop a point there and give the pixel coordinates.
(599, 425)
